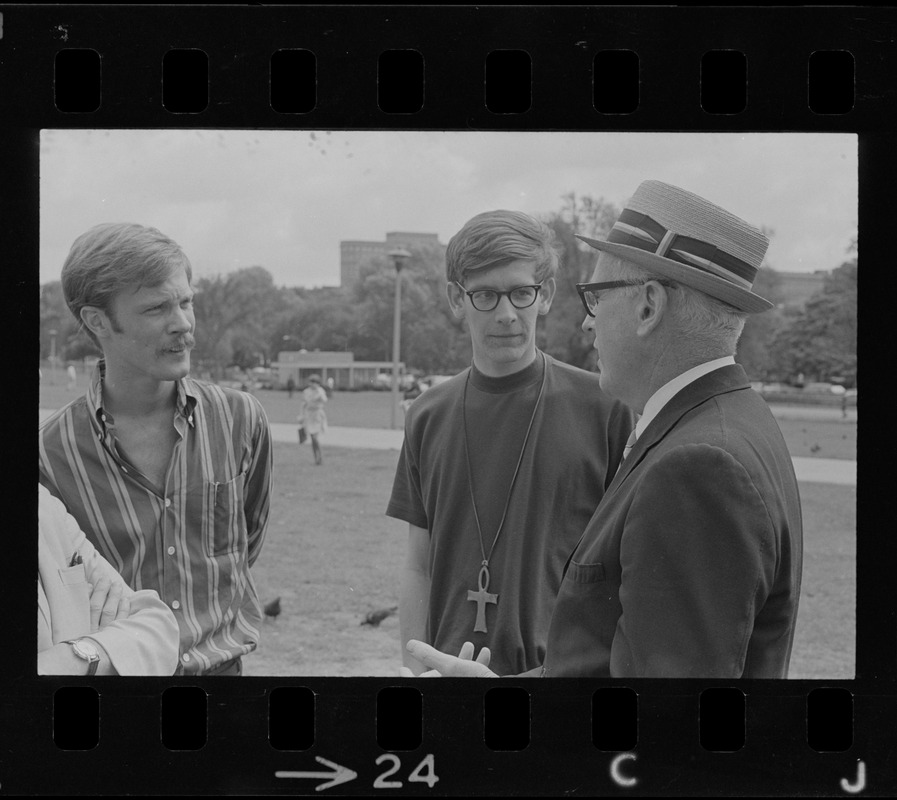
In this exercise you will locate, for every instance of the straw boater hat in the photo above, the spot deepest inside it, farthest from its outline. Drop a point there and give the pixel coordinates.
(681, 236)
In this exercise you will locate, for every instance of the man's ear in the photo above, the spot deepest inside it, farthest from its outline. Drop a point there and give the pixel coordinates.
(96, 321)
(546, 295)
(651, 308)
(456, 299)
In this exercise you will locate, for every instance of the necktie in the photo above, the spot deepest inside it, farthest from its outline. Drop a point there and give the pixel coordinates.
(630, 443)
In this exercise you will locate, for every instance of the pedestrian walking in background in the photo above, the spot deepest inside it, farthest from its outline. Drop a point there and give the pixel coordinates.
(312, 418)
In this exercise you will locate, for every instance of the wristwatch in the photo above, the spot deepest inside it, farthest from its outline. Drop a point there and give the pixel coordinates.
(86, 649)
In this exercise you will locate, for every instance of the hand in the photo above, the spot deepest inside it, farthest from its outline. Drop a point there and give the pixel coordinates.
(465, 654)
(107, 604)
(442, 665)
(467, 650)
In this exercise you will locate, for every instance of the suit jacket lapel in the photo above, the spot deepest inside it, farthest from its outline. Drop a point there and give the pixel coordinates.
(720, 381)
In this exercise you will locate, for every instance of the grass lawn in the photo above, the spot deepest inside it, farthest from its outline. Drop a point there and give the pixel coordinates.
(350, 409)
(808, 436)
(825, 638)
(332, 555)
(820, 438)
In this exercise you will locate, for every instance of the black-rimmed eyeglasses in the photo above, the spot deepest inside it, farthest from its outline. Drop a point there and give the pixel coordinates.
(590, 293)
(488, 299)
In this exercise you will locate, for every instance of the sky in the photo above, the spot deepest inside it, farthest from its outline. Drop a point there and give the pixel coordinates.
(285, 199)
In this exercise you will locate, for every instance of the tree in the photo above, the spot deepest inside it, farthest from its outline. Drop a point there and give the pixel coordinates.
(71, 343)
(821, 341)
(237, 307)
(560, 333)
(319, 319)
(753, 352)
(432, 339)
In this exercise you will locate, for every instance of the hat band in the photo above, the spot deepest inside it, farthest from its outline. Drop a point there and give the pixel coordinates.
(639, 230)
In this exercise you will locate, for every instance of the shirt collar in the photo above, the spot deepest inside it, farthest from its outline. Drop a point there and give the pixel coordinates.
(185, 404)
(666, 392)
(508, 383)
(186, 401)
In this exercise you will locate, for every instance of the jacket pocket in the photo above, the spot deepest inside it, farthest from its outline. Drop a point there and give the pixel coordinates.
(585, 573)
(72, 576)
(69, 605)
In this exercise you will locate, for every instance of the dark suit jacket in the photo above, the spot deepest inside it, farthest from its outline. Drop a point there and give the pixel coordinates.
(691, 564)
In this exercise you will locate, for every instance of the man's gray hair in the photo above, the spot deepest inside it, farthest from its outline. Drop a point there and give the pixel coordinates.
(704, 319)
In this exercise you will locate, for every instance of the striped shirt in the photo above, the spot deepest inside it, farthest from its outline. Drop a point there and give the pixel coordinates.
(195, 541)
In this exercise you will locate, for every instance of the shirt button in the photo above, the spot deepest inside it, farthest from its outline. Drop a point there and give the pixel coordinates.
(171, 551)
(175, 604)
(186, 656)
(167, 502)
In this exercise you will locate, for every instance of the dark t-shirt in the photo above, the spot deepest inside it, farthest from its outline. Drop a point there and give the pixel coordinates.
(574, 447)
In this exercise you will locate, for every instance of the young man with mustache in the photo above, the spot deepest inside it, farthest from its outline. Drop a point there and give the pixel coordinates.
(169, 477)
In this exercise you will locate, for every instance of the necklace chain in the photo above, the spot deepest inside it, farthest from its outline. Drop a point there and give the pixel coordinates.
(473, 501)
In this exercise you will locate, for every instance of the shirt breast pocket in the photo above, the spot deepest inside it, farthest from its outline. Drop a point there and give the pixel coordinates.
(228, 529)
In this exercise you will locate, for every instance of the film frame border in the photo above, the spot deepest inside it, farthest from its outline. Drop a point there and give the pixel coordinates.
(347, 42)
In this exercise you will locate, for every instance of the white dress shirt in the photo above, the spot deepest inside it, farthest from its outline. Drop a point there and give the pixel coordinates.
(666, 392)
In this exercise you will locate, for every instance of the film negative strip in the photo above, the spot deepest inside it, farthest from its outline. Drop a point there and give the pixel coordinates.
(320, 70)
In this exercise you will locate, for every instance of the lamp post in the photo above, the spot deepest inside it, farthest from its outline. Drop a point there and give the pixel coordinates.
(286, 343)
(53, 334)
(399, 256)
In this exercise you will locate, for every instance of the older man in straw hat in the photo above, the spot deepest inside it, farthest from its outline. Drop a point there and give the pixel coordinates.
(691, 565)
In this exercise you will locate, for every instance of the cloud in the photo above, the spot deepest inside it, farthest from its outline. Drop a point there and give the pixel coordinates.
(284, 199)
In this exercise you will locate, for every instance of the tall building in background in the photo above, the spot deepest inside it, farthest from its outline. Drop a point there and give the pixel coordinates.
(354, 253)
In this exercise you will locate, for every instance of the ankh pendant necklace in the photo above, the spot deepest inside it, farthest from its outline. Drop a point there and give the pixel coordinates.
(482, 595)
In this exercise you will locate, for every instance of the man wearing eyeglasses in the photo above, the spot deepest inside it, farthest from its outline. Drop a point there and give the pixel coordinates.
(691, 565)
(504, 464)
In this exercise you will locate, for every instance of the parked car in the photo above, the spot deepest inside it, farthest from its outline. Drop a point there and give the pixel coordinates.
(263, 378)
(435, 380)
(383, 381)
(821, 387)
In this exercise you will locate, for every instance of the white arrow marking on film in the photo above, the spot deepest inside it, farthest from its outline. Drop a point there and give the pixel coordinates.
(855, 788)
(615, 773)
(339, 774)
